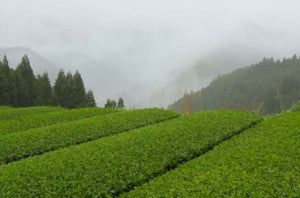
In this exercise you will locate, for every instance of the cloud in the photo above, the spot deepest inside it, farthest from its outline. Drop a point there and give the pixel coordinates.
(148, 41)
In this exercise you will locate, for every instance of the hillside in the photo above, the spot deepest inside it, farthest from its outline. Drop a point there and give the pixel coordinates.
(235, 51)
(94, 152)
(267, 87)
(38, 63)
(106, 155)
(261, 162)
(218, 62)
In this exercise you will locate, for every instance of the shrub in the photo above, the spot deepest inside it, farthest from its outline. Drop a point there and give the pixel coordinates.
(46, 119)
(261, 162)
(14, 113)
(15, 146)
(112, 165)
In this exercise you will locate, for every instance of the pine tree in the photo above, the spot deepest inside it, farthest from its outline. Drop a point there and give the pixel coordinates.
(78, 95)
(121, 103)
(27, 85)
(5, 82)
(68, 95)
(90, 100)
(10, 75)
(2, 79)
(44, 91)
(60, 87)
(110, 104)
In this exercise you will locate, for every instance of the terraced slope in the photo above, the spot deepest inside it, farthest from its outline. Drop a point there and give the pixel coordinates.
(14, 113)
(264, 161)
(45, 119)
(16, 146)
(112, 165)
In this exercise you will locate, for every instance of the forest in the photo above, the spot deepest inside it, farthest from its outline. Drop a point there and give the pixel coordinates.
(20, 87)
(267, 87)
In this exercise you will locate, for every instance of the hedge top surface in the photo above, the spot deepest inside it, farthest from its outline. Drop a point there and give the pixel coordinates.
(13, 113)
(111, 165)
(5, 107)
(45, 119)
(263, 161)
(15, 146)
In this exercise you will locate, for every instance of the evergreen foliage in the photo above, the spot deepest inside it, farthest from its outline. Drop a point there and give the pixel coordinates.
(268, 87)
(21, 88)
(44, 91)
(121, 103)
(110, 104)
(90, 101)
(113, 104)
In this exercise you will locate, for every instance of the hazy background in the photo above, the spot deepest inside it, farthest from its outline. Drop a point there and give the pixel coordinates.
(148, 52)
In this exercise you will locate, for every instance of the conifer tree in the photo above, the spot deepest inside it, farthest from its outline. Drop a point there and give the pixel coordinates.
(9, 73)
(121, 103)
(90, 100)
(60, 87)
(5, 82)
(68, 95)
(27, 84)
(44, 91)
(78, 95)
(110, 104)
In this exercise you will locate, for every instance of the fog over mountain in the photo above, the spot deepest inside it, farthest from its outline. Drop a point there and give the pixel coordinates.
(149, 52)
(39, 64)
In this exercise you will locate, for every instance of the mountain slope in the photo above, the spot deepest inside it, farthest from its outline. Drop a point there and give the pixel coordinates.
(267, 87)
(39, 64)
(223, 60)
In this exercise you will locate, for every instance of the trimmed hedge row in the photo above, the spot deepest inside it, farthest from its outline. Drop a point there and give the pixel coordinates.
(5, 107)
(261, 162)
(14, 113)
(46, 119)
(16, 146)
(112, 165)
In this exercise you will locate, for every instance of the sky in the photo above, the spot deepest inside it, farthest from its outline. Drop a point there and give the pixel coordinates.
(149, 41)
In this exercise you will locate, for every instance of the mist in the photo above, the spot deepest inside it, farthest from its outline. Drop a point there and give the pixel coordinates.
(136, 49)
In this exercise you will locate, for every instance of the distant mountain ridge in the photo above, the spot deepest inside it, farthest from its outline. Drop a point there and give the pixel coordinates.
(267, 87)
(218, 62)
(39, 64)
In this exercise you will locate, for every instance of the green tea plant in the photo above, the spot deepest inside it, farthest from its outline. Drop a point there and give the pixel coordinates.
(15, 146)
(263, 161)
(14, 113)
(116, 164)
(45, 119)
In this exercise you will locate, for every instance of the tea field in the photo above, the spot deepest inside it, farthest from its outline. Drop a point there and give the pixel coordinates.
(95, 152)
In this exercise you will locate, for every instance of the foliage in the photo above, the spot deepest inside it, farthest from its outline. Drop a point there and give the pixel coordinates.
(113, 104)
(110, 104)
(268, 87)
(90, 101)
(5, 107)
(16, 146)
(45, 119)
(261, 162)
(121, 103)
(45, 95)
(16, 113)
(115, 164)
(21, 88)
(26, 85)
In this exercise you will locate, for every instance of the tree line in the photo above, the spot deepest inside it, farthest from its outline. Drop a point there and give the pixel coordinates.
(113, 104)
(267, 87)
(20, 87)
